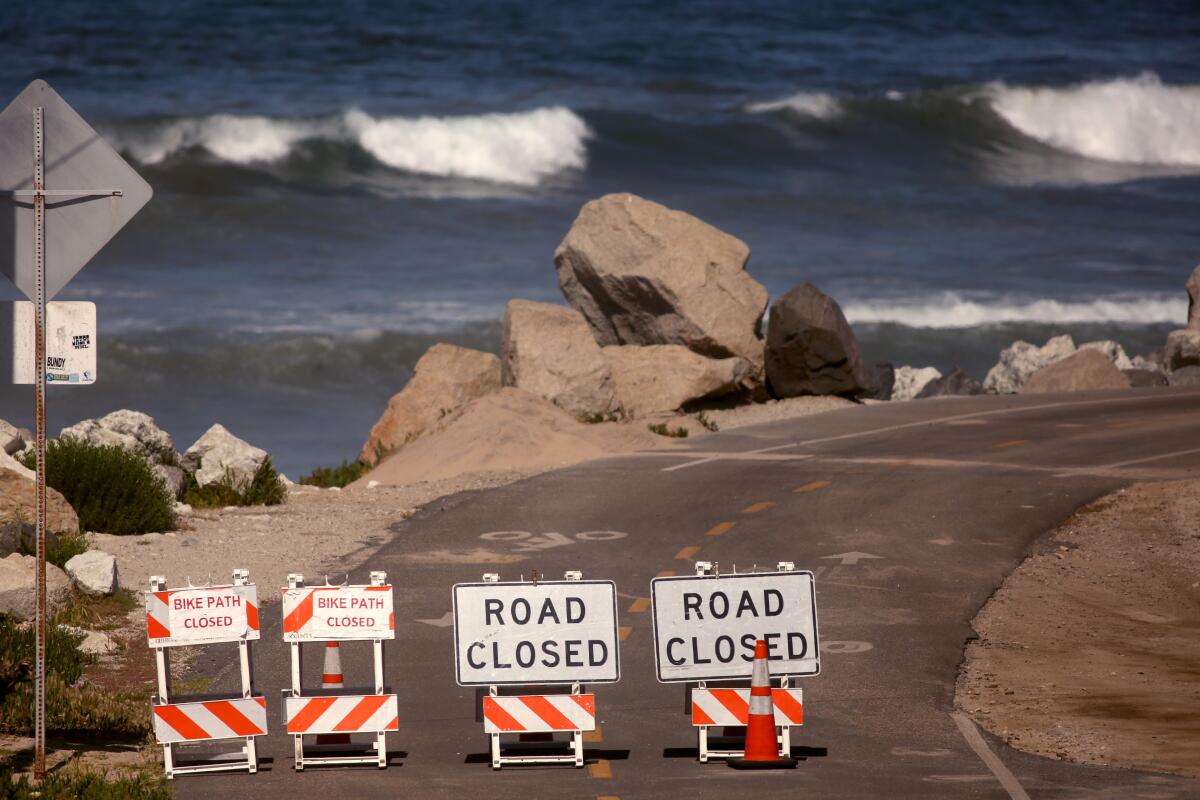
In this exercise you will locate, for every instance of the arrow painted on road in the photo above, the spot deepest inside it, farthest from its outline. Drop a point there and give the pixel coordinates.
(850, 559)
(444, 621)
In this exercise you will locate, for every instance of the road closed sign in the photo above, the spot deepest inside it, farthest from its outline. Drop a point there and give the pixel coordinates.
(338, 613)
(705, 626)
(523, 633)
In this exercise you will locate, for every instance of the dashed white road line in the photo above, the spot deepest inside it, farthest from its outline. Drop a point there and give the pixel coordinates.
(976, 742)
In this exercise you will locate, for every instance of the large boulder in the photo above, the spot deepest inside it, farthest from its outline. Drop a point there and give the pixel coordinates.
(1193, 290)
(11, 439)
(664, 377)
(641, 273)
(1115, 353)
(18, 588)
(94, 572)
(1023, 359)
(1183, 349)
(10, 463)
(444, 380)
(172, 477)
(18, 510)
(811, 349)
(1186, 376)
(953, 383)
(218, 453)
(1139, 378)
(909, 381)
(882, 377)
(549, 351)
(129, 430)
(1084, 370)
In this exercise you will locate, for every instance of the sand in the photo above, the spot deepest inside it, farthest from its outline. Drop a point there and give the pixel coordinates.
(1090, 650)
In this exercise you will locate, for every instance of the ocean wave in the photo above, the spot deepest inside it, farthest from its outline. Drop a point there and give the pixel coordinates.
(1138, 120)
(817, 105)
(952, 310)
(520, 148)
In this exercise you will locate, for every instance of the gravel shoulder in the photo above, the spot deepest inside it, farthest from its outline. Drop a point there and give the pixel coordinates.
(1089, 650)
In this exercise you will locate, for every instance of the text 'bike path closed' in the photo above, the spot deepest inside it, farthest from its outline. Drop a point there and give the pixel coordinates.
(531, 644)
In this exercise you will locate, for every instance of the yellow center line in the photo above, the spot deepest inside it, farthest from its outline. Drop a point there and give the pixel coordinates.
(601, 769)
(1013, 443)
(757, 507)
(687, 553)
(623, 632)
(594, 737)
(720, 528)
(812, 487)
(665, 573)
(639, 606)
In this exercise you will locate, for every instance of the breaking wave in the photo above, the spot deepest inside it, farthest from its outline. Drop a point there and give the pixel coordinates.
(817, 105)
(952, 310)
(521, 148)
(1138, 120)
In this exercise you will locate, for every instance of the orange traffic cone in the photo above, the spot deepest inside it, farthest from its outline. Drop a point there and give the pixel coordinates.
(762, 746)
(332, 679)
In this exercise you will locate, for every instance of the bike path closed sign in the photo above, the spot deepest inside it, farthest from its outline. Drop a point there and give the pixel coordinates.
(705, 626)
(338, 613)
(523, 633)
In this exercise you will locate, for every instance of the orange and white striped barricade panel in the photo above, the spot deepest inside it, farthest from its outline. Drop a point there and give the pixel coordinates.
(338, 613)
(177, 617)
(731, 708)
(370, 713)
(208, 720)
(539, 713)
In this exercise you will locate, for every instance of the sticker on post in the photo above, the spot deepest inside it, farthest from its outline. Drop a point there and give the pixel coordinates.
(551, 632)
(705, 626)
(338, 613)
(70, 342)
(202, 616)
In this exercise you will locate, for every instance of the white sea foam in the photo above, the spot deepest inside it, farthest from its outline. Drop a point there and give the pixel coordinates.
(1138, 120)
(810, 104)
(952, 310)
(520, 148)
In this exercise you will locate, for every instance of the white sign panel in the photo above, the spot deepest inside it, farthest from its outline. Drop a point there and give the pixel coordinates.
(202, 616)
(548, 633)
(338, 613)
(70, 343)
(705, 626)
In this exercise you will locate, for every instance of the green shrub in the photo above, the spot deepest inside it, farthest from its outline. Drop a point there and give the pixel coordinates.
(327, 477)
(81, 784)
(112, 490)
(662, 430)
(264, 489)
(707, 423)
(72, 704)
(59, 549)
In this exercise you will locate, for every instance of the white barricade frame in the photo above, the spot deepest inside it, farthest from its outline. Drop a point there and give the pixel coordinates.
(243, 717)
(704, 735)
(574, 755)
(380, 704)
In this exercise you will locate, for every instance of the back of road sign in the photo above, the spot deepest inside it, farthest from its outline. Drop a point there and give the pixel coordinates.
(76, 158)
(705, 626)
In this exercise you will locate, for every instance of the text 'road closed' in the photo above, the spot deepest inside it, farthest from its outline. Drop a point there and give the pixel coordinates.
(551, 632)
(705, 627)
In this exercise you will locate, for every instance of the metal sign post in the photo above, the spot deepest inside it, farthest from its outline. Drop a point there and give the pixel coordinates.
(40, 124)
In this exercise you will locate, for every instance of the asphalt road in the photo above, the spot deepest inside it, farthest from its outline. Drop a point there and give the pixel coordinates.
(947, 496)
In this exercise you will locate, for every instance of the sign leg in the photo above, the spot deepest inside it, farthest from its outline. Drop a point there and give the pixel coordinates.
(495, 737)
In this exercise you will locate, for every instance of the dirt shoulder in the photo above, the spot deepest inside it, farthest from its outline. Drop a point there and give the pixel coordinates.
(1090, 651)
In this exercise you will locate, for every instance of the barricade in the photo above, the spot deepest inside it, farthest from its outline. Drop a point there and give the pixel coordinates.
(701, 634)
(339, 614)
(202, 616)
(731, 708)
(528, 697)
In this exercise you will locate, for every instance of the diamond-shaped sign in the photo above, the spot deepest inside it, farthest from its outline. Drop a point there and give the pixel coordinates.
(77, 161)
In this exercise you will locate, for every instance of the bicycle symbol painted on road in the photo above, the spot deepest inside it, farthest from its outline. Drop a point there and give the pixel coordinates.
(527, 542)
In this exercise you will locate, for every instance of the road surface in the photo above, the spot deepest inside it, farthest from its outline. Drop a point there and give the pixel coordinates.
(934, 501)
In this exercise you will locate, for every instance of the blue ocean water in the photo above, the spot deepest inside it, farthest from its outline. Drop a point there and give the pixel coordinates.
(339, 184)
